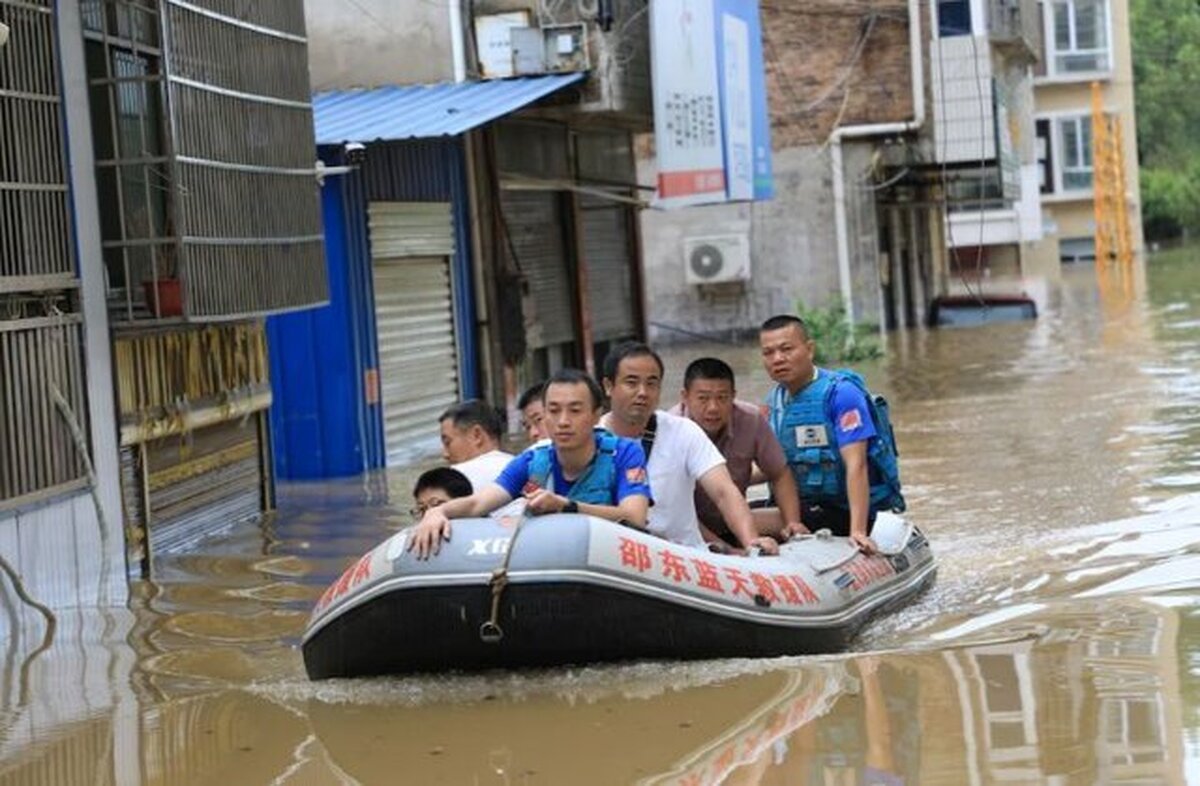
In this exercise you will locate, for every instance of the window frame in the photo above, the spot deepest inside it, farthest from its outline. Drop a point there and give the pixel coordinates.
(1058, 191)
(1082, 150)
(1051, 52)
(1044, 138)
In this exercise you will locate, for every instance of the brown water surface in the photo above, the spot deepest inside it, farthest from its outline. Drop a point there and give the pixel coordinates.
(1054, 464)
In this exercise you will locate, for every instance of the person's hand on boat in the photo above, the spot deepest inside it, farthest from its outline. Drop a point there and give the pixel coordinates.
(427, 537)
(794, 529)
(864, 543)
(542, 501)
(765, 545)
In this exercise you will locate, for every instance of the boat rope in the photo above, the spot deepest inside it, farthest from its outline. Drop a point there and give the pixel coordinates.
(491, 632)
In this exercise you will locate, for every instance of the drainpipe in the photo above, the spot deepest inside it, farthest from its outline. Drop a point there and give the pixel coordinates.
(917, 70)
(457, 52)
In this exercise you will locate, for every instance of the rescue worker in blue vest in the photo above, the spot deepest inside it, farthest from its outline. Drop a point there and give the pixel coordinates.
(845, 471)
(581, 469)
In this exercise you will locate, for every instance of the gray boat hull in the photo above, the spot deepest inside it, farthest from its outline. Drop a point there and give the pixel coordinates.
(584, 590)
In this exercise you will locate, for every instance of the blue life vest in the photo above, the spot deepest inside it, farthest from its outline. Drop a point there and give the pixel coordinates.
(598, 483)
(805, 428)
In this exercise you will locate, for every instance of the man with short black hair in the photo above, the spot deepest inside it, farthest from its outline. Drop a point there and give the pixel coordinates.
(471, 432)
(581, 469)
(845, 471)
(745, 439)
(679, 454)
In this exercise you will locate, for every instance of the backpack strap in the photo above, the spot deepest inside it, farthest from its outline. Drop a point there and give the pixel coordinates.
(648, 435)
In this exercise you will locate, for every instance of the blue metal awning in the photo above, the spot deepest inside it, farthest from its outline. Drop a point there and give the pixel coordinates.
(421, 112)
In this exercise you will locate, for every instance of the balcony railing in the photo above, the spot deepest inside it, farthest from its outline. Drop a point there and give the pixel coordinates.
(1015, 25)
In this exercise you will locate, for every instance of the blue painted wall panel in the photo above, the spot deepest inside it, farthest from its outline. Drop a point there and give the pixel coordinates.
(321, 426)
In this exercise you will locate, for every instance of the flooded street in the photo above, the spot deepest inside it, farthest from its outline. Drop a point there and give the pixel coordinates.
(1055, 466)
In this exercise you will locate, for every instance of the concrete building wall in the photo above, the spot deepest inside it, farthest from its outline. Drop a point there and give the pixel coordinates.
(1072, 216)
(829, 63)
(368, 43)
(792, 248)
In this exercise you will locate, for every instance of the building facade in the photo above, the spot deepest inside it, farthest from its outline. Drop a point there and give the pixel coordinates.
(853, 221)
(488, 214)
(1081, 43)
(1086, 41)
(209, 220)
(984, 55)
(60, 524)
(158, 201)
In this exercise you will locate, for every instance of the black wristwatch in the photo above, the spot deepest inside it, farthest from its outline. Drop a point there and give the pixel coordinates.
(571, 507)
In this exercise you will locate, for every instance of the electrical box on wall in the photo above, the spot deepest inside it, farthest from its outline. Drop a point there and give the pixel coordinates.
(716, 259)
(552, 49)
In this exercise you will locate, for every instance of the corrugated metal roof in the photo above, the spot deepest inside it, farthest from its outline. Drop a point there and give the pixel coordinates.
(424, 111)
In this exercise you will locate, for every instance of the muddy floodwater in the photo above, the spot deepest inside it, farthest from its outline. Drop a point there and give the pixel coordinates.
(1054, 464)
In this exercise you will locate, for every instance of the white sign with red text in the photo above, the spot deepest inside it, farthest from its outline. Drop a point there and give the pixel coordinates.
(687, 103)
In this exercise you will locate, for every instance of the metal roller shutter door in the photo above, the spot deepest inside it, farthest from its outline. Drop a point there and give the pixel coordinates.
(535, 224)
(197, 485)
(411, 244)
(606, 249)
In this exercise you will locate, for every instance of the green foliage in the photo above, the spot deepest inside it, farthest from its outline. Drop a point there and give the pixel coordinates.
(1171, 199)
(1166, 66)
(836, 341)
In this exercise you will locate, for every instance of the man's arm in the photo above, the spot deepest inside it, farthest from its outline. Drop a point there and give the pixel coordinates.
(858, 489)
(632, 509)
(724, 493)
(434, 527)
(787, 499)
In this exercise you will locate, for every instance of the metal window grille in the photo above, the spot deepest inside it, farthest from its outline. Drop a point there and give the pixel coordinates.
(204, 109)
(40, 331)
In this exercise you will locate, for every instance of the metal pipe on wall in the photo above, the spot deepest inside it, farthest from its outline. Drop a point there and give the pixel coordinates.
(899, 252)
(916, 267)
(457, 50)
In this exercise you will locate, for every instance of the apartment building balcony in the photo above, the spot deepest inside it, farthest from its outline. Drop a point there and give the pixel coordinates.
(1014, 28)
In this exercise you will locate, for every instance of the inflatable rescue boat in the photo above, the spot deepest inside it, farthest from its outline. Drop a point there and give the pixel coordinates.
(572, 589)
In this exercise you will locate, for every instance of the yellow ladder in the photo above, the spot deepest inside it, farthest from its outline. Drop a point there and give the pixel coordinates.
(1114, 238)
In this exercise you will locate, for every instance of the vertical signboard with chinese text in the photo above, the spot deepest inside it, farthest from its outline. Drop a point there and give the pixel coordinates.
(711, 124)
(687, 103)
(747, 125)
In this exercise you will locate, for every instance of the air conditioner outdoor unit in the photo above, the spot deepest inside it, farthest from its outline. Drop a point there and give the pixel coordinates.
(716, 259)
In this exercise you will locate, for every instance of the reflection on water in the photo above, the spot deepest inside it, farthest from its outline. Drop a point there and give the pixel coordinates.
(1054, 465)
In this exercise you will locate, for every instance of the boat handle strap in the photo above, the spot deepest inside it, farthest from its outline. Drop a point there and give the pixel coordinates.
(490, 632)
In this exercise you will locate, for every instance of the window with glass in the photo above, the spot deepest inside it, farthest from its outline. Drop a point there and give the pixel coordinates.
(1080, 42)
(1075, 138)
(954, 18)
(1045, 157)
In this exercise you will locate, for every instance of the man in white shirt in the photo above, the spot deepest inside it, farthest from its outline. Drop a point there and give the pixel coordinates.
(679, 454)
(471, 432)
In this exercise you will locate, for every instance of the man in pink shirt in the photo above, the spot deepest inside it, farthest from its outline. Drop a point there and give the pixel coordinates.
(746, 440)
